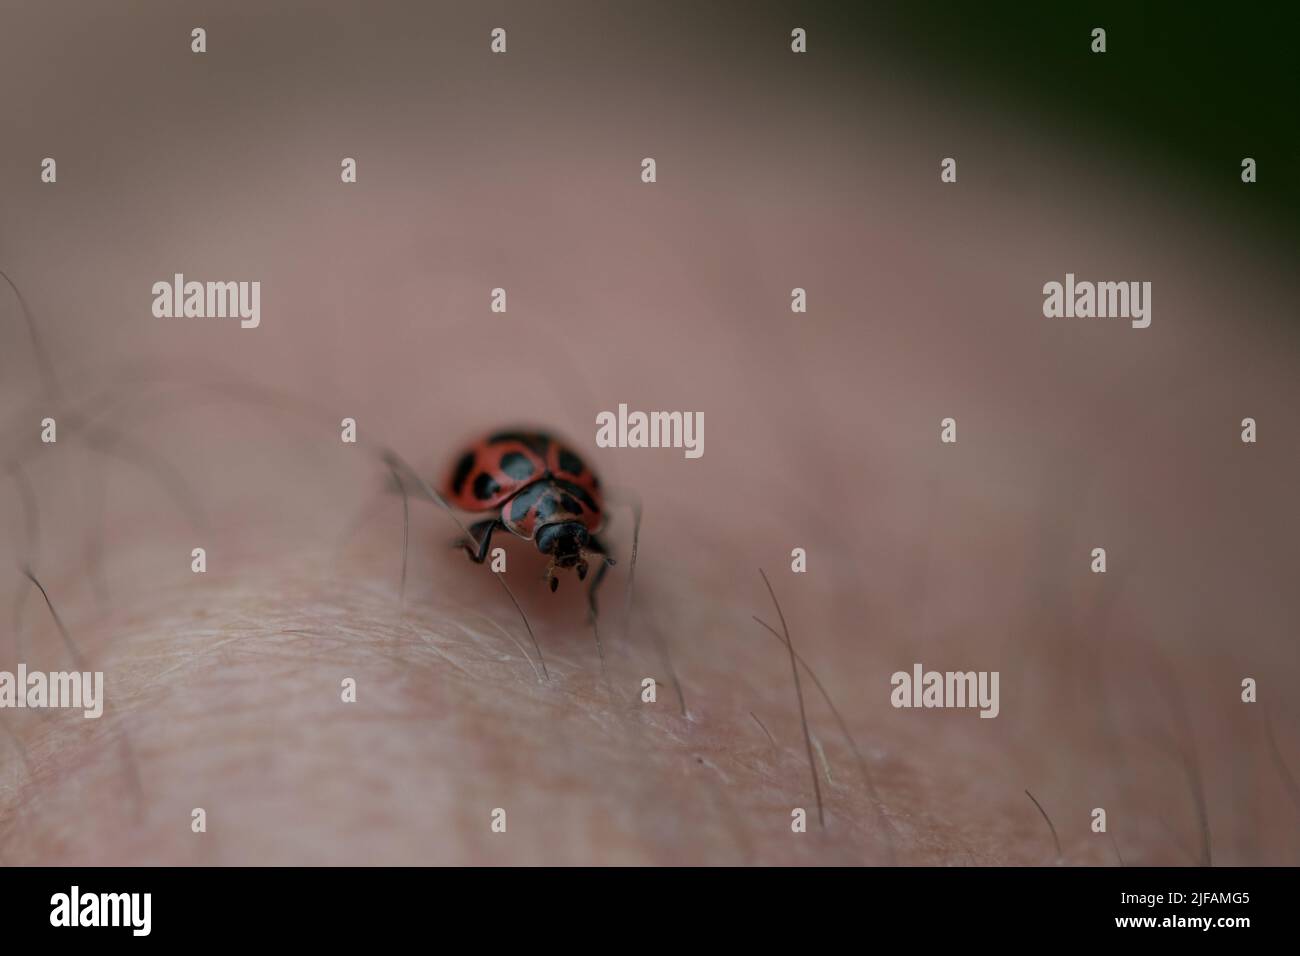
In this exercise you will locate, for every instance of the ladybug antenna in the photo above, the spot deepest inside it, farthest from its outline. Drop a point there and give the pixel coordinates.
(585, 557)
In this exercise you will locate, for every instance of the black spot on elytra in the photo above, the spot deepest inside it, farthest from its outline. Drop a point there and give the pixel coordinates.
(525, 500)
(516, 465)
(485, 486)
(578, 492)
(570, 462)
(533, 441)
(463, 468)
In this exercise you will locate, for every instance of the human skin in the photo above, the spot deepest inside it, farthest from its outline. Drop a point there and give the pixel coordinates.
(1119, 691)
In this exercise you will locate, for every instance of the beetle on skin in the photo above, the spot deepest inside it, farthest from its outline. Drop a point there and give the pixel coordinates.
(543, 492)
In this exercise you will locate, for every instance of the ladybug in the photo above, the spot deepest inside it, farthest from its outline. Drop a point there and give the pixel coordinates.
(542, 490)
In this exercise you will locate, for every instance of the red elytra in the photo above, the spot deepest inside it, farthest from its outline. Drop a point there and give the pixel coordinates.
(543, 491)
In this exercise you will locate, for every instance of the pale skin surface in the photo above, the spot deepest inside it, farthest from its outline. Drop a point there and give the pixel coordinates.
(1119, 691)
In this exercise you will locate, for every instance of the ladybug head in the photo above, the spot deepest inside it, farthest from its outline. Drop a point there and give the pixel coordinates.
(565, 542)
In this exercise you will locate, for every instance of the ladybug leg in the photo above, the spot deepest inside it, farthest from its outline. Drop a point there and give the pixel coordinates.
(596, 547)
(485, 529)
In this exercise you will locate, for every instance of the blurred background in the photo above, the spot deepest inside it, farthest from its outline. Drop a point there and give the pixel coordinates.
(774, 171)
